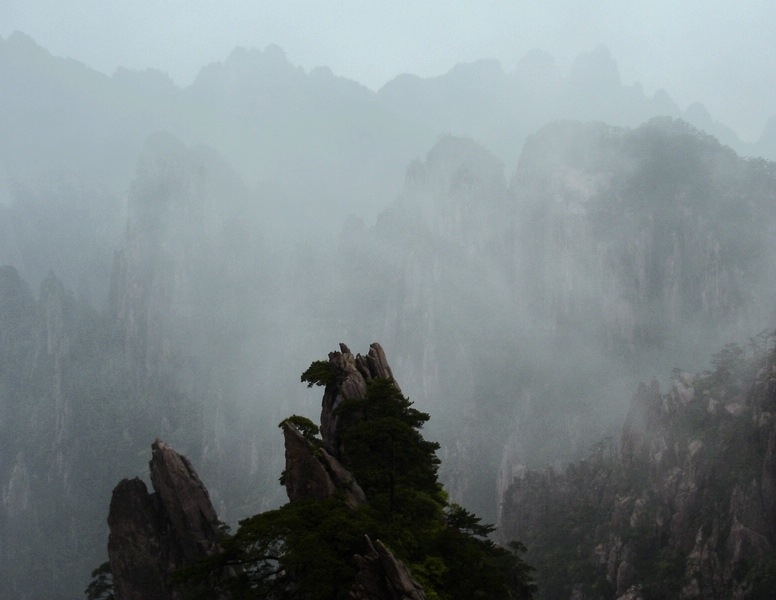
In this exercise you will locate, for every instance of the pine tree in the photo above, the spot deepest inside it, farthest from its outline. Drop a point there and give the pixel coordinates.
(306, 549)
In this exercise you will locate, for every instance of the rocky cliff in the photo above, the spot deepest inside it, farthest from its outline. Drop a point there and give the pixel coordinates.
(529, 308)
(154, 535)
(680, 506)
(516, 306)
(634, 237)
(56, 390)
(314, 472)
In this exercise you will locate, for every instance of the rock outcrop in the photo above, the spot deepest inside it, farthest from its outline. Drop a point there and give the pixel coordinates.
(381, 576)
(349, 382)
(153, 535)
(683, 510)
(314, 472)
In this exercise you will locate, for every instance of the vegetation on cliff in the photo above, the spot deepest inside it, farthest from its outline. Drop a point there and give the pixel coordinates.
(682, 507)
(310, 548)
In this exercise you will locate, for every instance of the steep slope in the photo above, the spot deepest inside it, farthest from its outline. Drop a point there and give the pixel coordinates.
(612, 251)
(642, 231)
(154, 535)
(70, 415)
(680, 506)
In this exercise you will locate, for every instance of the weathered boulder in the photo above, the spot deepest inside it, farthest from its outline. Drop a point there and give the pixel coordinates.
(304, 475)
(186, 503)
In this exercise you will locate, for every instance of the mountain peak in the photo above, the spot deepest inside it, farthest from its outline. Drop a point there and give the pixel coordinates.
(596, 69)
(154, 535)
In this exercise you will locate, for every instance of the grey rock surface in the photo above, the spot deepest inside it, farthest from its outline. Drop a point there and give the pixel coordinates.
(152, 535)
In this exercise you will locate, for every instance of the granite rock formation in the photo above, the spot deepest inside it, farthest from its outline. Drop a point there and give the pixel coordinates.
(382, 577)
(681, 507)
(349, 381)
(314, 472)
(153, 535)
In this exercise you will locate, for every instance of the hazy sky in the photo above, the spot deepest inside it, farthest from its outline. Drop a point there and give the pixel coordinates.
(722, 53)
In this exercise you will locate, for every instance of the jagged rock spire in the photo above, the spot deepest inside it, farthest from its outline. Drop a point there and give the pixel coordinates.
(313, 474)
(153, 535)
(350, 383)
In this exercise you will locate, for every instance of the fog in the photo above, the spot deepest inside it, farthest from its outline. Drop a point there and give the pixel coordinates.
(714, 52)
(194, 206)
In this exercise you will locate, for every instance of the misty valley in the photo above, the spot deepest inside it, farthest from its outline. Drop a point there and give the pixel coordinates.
(574, 283)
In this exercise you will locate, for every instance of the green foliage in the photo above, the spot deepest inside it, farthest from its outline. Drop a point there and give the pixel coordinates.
(461, 519)
(388, 456)
(475, 567)
(319, 373)
(760, 582)
(305, 426)
(101, 586)
(306, 549)
(299, 550)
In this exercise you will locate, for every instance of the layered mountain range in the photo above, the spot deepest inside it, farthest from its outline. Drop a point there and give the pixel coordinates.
(192, 249)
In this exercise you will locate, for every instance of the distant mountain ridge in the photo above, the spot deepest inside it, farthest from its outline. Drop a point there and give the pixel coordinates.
(521, 298)
(268, 117)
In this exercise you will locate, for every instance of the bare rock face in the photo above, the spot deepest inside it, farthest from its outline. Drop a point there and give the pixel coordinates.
(134, 545)
(186, 502)
(305, 477)
(153, 535)
(381, 576)
(313, 474)
(351, 376)
(686, 510)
